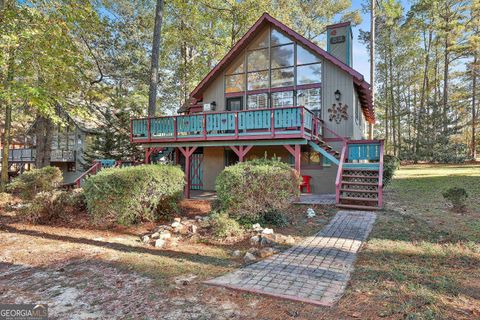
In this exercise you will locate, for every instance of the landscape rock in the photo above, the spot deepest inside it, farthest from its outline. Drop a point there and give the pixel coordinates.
(155, 235)
(266, 252)
(165, 235)
(160, 243)
(176, 224)
(264, 242)
(255, 240)
(177, 219)
(236, 253)
(267, 231)
(249, 257)
(146, 239)
(257, 227)
(193, 228)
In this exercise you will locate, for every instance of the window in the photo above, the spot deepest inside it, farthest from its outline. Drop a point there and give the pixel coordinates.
(257, 60)
(257, 80)
(257, 101)
(278, 38)
(305, 57)
(282, 99)
(261, 41)
(310, 99)
(311, 73)
(235, 83)
(282, 77)
(282, 56)
(310, 158)
(236, 67)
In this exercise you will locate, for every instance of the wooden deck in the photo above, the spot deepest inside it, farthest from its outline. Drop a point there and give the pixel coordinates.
(260, 124)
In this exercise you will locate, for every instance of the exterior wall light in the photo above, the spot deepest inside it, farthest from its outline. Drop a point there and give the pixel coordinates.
(338, 95)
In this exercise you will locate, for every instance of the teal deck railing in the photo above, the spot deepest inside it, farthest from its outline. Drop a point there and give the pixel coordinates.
(286, 122)
(363, 153)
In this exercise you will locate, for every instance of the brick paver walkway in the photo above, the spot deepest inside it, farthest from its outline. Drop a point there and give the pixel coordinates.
(316, 271)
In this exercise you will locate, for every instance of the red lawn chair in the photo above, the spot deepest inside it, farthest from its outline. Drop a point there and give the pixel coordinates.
(305, 183)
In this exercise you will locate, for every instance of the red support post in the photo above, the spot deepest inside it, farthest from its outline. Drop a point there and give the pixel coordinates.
(295, 151)
(187, 153)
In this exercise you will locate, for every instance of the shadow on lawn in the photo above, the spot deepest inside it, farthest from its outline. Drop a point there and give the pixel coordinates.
(197, 258)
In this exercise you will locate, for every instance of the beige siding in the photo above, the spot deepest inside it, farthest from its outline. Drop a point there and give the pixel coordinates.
(334, 78)
(213, 164)
(215, 92)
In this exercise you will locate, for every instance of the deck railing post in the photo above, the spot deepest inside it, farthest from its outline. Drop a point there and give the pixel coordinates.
(175, 127)
(205, 126)
(302, 121)
(272, 122)
(236, 124)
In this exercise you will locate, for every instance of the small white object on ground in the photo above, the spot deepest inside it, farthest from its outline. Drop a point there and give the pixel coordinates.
(176, 224)
(310, 213)
(267, 231)
(159, 243)
(257, 227)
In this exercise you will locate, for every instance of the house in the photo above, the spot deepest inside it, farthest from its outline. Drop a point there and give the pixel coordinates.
(277, 94)
(69, 143)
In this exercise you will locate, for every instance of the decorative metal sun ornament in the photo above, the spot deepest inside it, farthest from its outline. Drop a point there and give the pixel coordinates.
(338, 112)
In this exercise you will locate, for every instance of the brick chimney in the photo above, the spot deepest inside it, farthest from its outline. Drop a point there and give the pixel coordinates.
(339, 42)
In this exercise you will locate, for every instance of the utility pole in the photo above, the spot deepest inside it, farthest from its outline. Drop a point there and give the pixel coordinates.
(372, 61)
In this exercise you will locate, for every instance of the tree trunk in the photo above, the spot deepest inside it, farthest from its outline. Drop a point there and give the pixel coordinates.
(44, 135)
(8, 122)
(152, 92)
(474, 106)
(446, 64)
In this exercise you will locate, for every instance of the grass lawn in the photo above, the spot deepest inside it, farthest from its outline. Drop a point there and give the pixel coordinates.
(421, 262)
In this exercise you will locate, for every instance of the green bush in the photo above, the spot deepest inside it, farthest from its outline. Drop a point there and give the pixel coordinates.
(49, 206)
(275, 218)
(457, 197)
(390, 165)
(133, 194)
(28, 184)
(249, 189)
(223, 226)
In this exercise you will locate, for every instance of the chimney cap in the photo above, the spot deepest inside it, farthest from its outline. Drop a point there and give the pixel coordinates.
(338, 25)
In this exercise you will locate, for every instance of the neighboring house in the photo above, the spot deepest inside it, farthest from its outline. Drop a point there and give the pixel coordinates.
(277, 94)
(69, 143)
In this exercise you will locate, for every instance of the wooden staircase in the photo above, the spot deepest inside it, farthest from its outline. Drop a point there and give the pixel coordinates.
(359, 189)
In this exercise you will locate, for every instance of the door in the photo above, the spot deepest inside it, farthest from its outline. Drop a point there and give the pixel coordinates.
(196, 171)
(235, 104)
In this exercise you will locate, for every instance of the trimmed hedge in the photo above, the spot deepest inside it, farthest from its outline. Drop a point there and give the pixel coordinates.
(133, 194)
(32, 182)
(250, 189)
(390, 165)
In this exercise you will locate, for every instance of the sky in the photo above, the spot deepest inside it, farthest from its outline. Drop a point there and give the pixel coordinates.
(361, 56)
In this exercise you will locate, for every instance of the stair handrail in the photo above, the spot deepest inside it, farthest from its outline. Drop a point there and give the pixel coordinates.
(338, 180)
(338, 137)
(97, 166)
(380, 175)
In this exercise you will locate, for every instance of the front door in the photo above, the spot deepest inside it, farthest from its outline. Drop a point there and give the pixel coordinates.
(196, 171)
(235, 104)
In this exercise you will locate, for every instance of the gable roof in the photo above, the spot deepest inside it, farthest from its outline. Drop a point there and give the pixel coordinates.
(362, 87)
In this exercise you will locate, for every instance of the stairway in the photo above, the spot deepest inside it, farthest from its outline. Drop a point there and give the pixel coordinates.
(360, 189)
(326, 150)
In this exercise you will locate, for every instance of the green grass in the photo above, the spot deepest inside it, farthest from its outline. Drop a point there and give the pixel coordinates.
(421, 260)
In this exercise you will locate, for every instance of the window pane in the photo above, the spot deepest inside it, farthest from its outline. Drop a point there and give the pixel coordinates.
(310, 158)
(236, 67)
(279, 38)
(282, 99)
(304, 56)
(235, 83)
(310, 99)
(282, 77)
(257, 101)
(257, 80)
(309, 74)
(282, 56)
(261, 41)
(258, 60)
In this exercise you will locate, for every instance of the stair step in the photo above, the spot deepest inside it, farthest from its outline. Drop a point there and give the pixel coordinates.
(355, 206)
(360, 169)
(358, 176)
(359, 183)
(359, 199)
(359, 190)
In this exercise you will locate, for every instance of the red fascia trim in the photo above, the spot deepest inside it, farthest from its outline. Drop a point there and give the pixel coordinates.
(338, 25)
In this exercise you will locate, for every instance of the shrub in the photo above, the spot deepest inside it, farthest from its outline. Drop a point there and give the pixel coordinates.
(275, 218)
(457, 197)
(133, 194)
(223, 226)
(249, 189)
(390, 165)
(5, 198)
(49, 206)
(28, 184)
